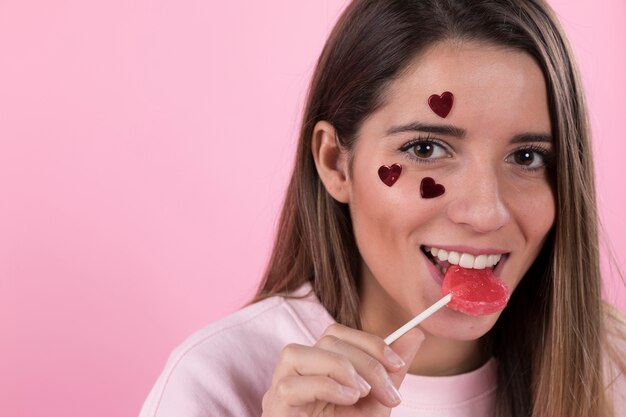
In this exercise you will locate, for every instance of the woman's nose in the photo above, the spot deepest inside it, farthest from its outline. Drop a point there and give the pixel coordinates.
(477, 202)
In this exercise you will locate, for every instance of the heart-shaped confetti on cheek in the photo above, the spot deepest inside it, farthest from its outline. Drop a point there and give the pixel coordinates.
(442, 104)
(390, 174)
(430, 189)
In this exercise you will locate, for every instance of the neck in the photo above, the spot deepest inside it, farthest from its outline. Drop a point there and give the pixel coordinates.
(442, 357)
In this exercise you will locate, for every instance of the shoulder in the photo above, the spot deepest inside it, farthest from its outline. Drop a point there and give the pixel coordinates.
(226, 367)
(615, 354)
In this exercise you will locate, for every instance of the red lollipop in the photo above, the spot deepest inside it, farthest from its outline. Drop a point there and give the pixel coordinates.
(476, 292)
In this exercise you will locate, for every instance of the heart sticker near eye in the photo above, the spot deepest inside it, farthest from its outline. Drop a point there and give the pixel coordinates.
(389, 174)
(442, 104)
(430, 189)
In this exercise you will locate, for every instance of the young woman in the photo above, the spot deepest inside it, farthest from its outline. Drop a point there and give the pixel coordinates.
(437, 133)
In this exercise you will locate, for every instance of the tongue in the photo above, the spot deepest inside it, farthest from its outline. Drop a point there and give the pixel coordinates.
(476, 292)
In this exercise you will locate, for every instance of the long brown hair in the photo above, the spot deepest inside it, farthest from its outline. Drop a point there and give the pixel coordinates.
(549, 339)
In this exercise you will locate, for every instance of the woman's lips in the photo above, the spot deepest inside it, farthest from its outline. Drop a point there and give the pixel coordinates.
(438, 268)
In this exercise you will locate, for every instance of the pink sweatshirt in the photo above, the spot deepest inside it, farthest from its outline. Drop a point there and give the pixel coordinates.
(226, 368)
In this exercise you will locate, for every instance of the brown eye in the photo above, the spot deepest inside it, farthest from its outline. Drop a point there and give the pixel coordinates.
(524, 157)
(424, 150)
(531, 159)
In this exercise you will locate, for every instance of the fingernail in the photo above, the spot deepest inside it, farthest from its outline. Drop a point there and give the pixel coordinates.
(349, 392)
(364, 387)
(393, 358)
(393, 393)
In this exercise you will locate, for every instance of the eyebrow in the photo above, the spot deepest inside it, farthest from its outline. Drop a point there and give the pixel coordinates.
(532, 137)
(451, 130)
(448, 130)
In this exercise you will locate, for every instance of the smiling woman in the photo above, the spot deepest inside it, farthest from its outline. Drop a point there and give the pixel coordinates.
(440, 138)
(494, 203)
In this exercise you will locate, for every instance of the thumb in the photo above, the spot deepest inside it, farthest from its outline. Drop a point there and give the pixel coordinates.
(407, 347)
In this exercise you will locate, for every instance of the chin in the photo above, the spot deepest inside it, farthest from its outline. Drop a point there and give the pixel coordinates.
(458, 326)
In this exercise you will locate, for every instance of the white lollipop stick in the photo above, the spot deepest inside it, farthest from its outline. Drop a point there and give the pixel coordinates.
(418, 319)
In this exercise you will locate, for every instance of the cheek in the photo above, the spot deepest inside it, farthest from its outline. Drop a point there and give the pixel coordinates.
(398, 205)
(390, 224)
(535, 212)
(376, 209)
(383, 215)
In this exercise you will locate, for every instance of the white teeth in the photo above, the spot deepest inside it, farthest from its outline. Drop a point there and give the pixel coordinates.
(465, 260)
(480, 262)
(454, 257)
(493, 259)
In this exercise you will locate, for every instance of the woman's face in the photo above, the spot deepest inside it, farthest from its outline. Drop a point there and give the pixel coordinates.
(490, 153)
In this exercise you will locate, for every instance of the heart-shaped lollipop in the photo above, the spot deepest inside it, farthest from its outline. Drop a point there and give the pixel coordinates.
(476, 292)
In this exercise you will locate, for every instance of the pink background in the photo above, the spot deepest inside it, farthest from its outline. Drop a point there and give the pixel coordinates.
(144, 150)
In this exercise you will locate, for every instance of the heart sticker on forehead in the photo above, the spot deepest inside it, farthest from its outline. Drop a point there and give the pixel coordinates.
(430, 189)
(389, 175)
(442, 104)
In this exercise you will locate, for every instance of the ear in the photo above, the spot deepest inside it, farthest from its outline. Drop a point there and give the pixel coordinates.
(331, 161)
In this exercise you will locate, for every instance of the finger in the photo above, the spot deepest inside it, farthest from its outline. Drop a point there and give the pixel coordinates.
(301, 391)
(369, 367)
(298, 359)
(372, 344)
(406, 347)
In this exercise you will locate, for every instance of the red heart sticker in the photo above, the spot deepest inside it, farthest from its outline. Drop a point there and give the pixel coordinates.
(389, 175)
(430, 189)
(442, 104)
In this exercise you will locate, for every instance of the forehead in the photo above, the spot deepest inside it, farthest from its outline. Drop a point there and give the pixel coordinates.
(492, 86)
